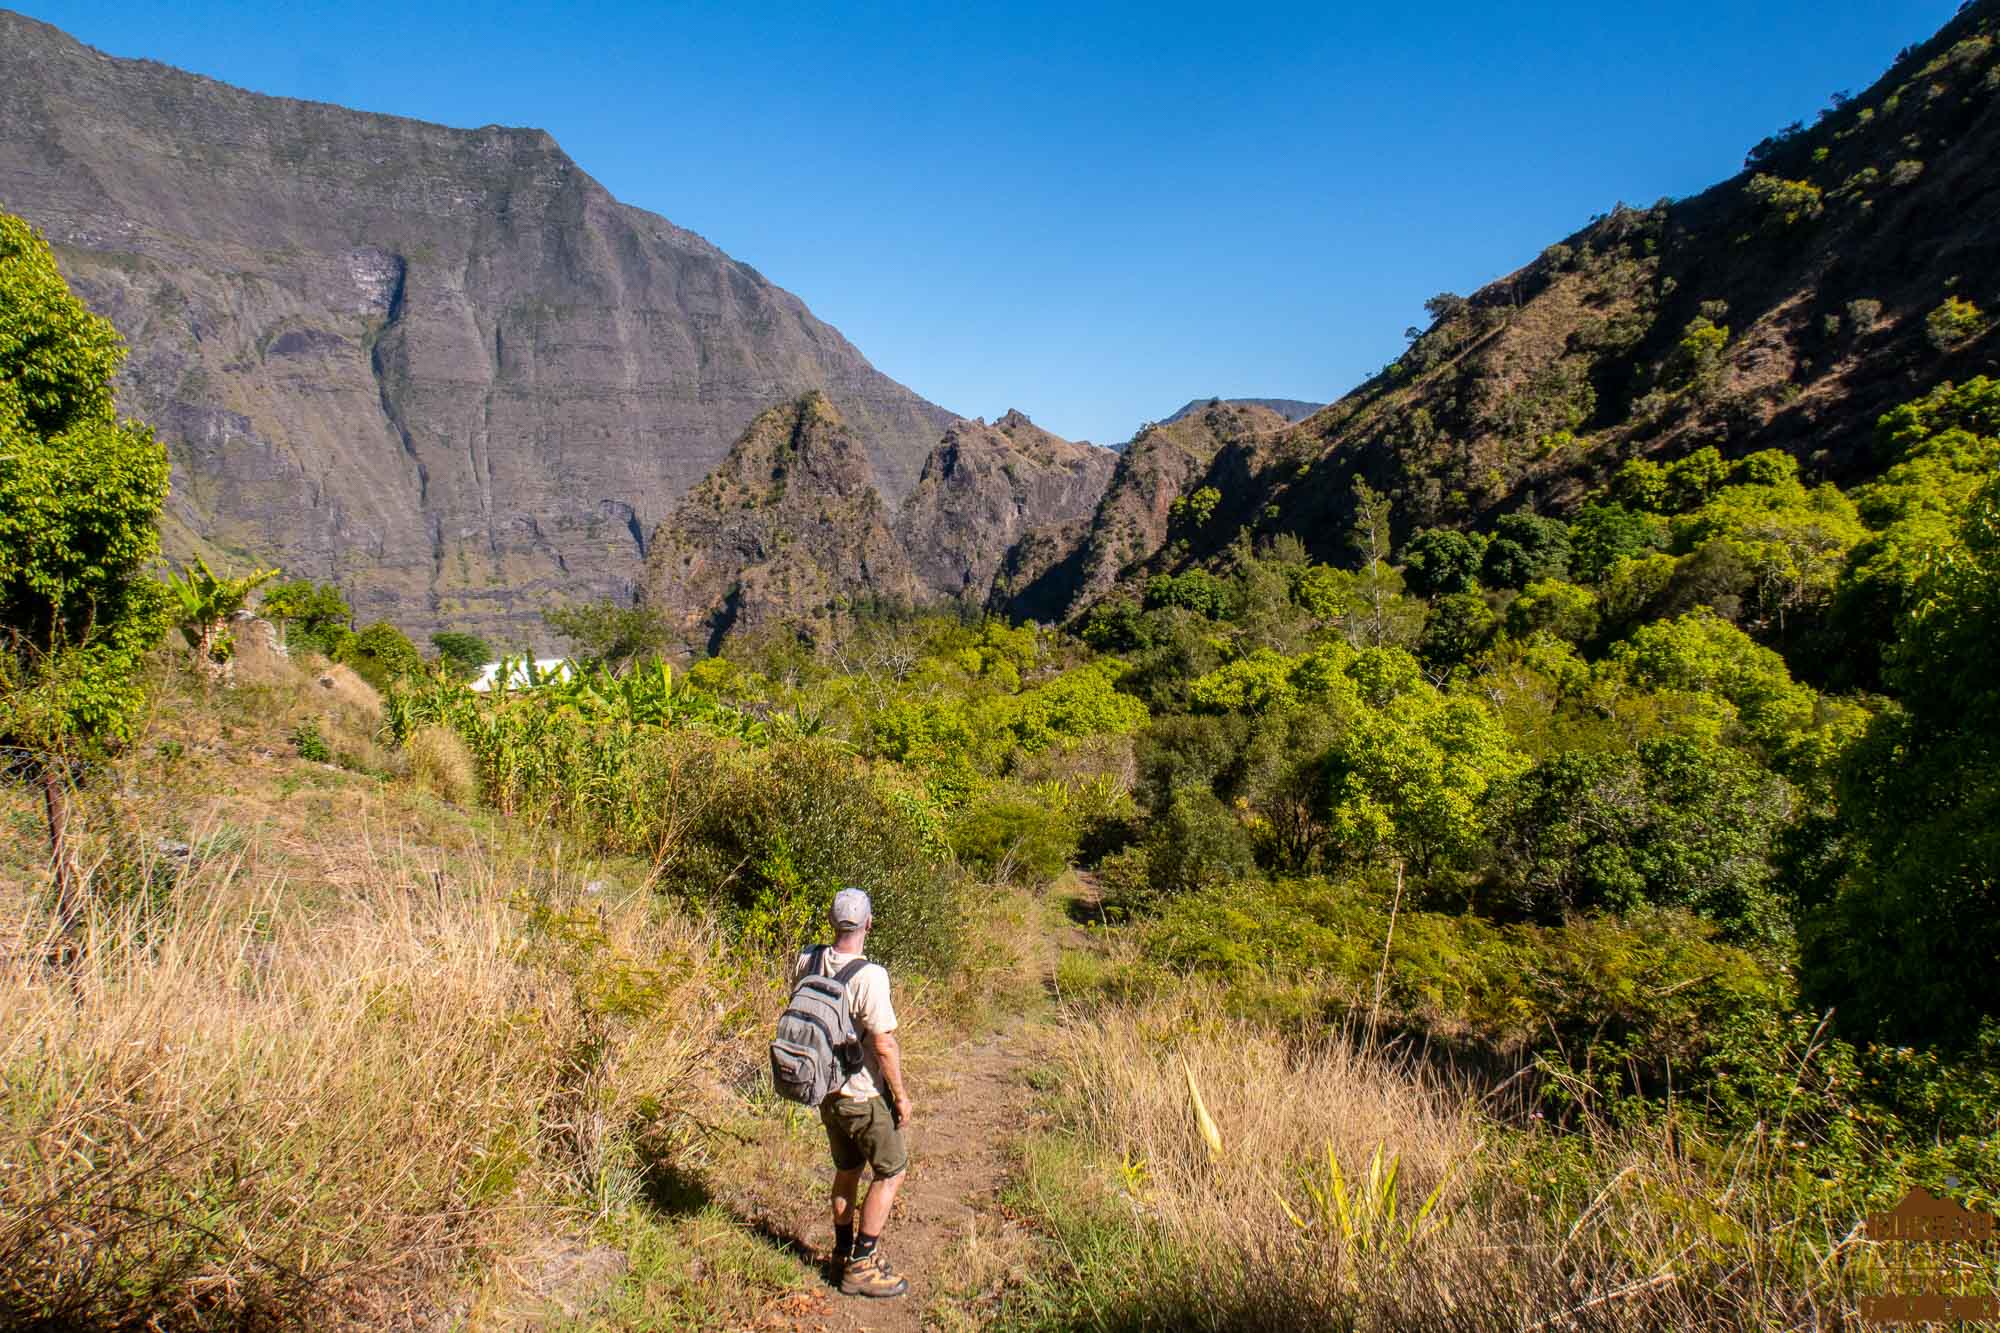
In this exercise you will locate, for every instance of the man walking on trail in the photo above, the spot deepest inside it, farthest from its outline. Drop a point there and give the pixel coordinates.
(863, 1128)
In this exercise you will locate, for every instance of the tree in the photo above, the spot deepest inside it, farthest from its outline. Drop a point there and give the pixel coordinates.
(381, 653)
(462, 653)
(80, 495)
(1526, 547)
(1908, 946)
(1441, 561)
(609, 633)
(314, 616)
(204, 602)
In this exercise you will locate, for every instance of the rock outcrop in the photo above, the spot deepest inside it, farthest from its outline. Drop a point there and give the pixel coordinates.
(442, 367)
(985, 488)
(791, 527)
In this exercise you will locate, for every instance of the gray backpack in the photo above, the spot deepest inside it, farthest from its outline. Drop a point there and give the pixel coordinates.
(816, 1049)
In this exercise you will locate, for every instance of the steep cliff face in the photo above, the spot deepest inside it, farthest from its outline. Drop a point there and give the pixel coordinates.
(983, 489)
(443, 367)
(791, 527)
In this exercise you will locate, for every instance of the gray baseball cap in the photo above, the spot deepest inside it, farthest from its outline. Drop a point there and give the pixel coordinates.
(851, 909)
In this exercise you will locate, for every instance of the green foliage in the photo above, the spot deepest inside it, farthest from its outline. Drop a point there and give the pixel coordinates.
(1524, 548)
(1955, 321)
(203, 603)
(79, 496)
(1908, 943)
(382, 654)
(1195, 590)
(1696, 361)
(1460, 626)
(461, 653)
(1015, 836)
(778, 839)
(1602, 534)
(310, 743)
(315, 617)
(1784, 203)
(1194, 510)
(1441, 561)
(1079, 703)
(1550, 606)
(1678, 822)
(606, 632)
(1700, 653)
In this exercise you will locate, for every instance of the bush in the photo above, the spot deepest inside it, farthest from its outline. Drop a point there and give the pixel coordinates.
(310, 744)
(1954, 322)
(382, 654)
(1196, 590)
(1526, 547)
(1784, 203)
(1196, 843)
(441, 765)
(462, 654)
(776, 839)
(1013, 838)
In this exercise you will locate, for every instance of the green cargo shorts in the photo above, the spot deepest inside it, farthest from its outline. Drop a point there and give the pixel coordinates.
(864, 1133)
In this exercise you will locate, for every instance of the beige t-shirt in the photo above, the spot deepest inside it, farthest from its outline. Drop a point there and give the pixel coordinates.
(868, 1004)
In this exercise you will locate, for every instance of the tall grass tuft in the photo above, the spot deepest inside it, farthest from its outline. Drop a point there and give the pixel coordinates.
(1356, 1190)
(233, 1113)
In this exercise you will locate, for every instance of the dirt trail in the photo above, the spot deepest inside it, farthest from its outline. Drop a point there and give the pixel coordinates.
(973, 1102)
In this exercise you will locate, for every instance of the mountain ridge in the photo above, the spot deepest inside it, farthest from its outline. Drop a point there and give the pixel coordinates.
(442, 367)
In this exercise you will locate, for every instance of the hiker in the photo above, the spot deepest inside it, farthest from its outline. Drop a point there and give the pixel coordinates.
(863, 1126)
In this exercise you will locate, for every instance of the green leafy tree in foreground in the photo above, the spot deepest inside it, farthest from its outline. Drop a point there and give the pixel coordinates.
(315, 616)
(609, 633)
(381, 654)
(80, 493)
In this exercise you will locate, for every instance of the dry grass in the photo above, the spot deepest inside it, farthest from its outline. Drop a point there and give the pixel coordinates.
(230, 1114)
(1152, 1229)
(334, 1055)
(440, 763)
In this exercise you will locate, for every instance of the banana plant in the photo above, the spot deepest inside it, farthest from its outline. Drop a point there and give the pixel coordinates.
(204, 602)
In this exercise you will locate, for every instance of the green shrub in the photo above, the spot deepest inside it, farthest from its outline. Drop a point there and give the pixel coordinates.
(1784, 203)
(381, 654)
(1955, 321)
(1011, 837)
(777, 838)
(1196, 842)
(1196, 590)
(310, 744)
(462, 654)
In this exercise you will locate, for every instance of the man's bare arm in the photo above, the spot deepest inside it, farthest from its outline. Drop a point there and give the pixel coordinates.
(890, 1055)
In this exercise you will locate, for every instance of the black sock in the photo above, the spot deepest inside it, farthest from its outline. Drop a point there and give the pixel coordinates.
(843, 1239)
(864, 1245)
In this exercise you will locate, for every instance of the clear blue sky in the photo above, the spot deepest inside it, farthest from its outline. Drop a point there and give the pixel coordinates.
(1092, 213)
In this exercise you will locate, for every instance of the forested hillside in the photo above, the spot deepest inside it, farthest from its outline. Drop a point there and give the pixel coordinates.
(1848, 268)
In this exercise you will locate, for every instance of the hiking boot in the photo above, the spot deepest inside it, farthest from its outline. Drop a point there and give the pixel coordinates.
(872, 1277)
(837, 1262)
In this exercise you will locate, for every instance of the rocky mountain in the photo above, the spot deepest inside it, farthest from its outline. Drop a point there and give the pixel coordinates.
(1291, 409)
(443, 367)
(1045, 580)
(791, 525)
(1852, 265)
(986, 488)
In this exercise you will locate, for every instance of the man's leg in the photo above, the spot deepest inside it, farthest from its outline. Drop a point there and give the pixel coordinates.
(869, 1274)
(846, 1184)
(881, 1198)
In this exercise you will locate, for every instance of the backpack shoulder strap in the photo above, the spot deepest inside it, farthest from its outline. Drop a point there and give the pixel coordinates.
(817, 968)
(847, 974)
